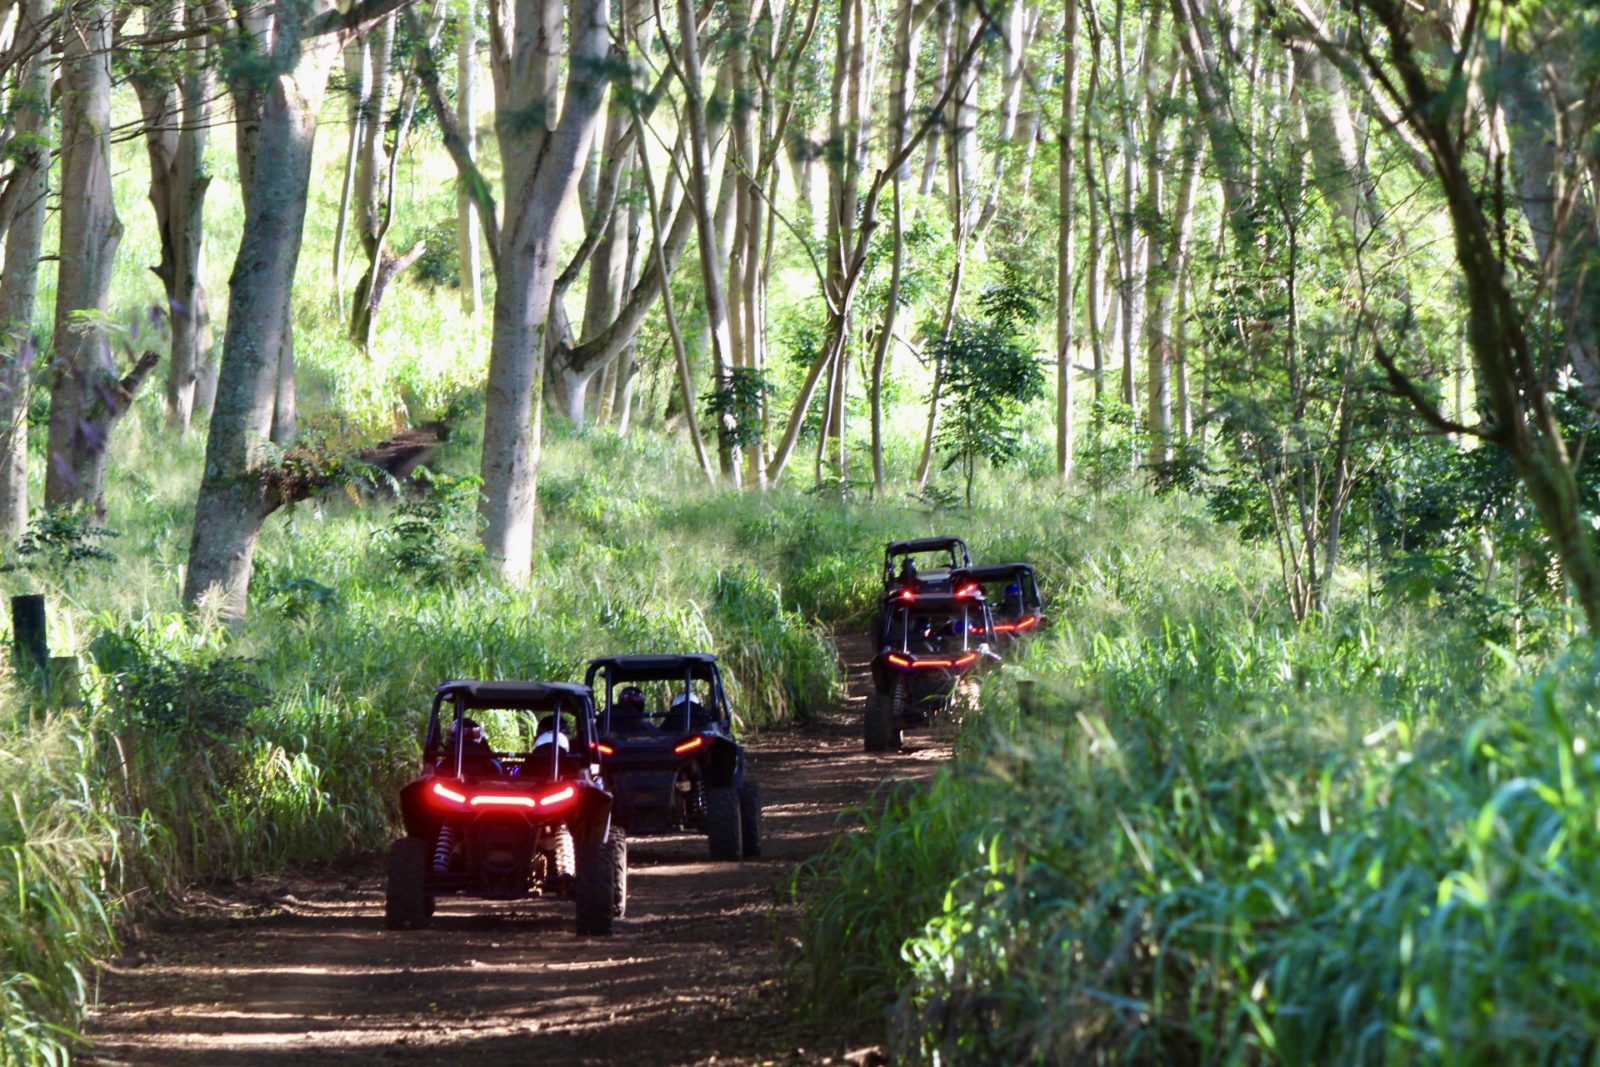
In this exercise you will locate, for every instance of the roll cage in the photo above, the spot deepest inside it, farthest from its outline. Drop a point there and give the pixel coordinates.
(614, 672)
(1009, 610)
(536, 700)
(953, 550)
(934, 629)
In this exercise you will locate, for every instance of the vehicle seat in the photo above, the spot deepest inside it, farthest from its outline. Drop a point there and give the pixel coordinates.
(628, 721)
(477, 760)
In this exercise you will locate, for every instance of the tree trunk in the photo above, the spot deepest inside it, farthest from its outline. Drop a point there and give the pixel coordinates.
(19, 275)
(1065, 208)
(240, 486)
(603, 296)
(908, 31)
(542, 163)
(358, 78)
(467, 222)
(712, 264)
(945, 10)
(1091, 268)
(83, 398)
(177, 117)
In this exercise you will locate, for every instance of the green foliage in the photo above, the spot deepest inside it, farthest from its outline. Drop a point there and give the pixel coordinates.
(433, 538)
(734, 407)
(991, 369)
(60, 541)
(206, 700)
(60, 840)
(1225, 838)
(440, 262)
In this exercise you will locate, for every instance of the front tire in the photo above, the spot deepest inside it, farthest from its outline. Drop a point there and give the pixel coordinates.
(406, 903)
(723, 824)
(750, 819)
(596, 890)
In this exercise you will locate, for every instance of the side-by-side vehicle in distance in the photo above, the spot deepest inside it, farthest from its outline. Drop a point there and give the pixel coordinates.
(927, 642)
(669, 752)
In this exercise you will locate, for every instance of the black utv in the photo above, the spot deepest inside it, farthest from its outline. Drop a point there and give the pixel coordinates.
(925, 563)
(669, 752)
(927, 642)
(509, 804)
(1013, 596)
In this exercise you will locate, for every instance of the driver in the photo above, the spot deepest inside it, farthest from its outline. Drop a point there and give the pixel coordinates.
(477, 757)
(629, 713)
(908, 572)
(1011, 603)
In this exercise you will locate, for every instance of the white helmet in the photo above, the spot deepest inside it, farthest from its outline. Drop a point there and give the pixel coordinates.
(551, 737)
(678, 701)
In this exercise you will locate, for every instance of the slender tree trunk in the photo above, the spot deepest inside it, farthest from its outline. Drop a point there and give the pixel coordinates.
(908, 29)
(19, 274)
(945, 10)
(177, 116)
(603, 295)
(1091, 270)
(1021, 22)
(358, 76)
(1129, 288)
(467, 222)
(1065, 208)
(712, 266)
(680, 355)
(542, 165)
(628, 359)
(83, 399)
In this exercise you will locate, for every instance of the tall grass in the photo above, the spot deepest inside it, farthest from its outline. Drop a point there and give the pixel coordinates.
(1216, 837)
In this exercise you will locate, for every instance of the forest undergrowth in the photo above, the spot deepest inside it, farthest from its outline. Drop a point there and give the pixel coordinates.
(1215, 834)
(1183, 829)
(199, 753)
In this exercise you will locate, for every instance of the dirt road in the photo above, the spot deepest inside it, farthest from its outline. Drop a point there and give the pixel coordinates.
(301, 970)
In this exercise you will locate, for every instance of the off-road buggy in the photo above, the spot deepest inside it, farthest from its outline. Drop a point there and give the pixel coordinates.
(1013, 596)
(669, 753)
(509, 804)
(926, 563)
(927, 643)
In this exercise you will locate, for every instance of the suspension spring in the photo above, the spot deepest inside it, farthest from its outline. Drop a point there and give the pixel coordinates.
(444, 849)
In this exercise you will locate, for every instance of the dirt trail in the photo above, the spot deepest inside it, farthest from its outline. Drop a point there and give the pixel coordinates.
(301, 971)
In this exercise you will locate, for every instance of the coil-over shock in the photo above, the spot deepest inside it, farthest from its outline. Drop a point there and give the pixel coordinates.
(444, 849)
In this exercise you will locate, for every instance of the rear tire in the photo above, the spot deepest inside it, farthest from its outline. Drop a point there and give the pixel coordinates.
(750, 819)
(596, 891)
(722, 823)
(617, 849)
(879, 728)
(406, 903)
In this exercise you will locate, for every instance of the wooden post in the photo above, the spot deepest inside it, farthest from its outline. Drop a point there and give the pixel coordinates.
(1027, 699)
(30, 647)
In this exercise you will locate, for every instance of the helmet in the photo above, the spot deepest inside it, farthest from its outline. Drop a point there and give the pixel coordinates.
(631, 696)
(689, 700)
(1013, 589)
(469, 727)
(551, 737)
(551, 733)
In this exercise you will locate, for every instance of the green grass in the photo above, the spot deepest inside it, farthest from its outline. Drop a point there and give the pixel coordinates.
(1216, 837)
